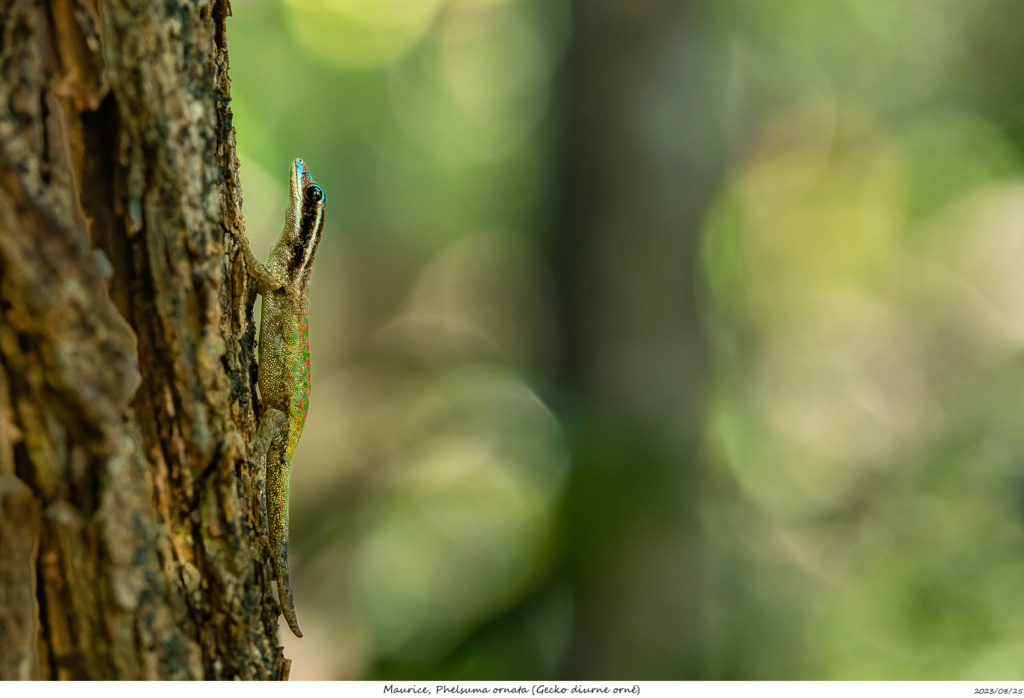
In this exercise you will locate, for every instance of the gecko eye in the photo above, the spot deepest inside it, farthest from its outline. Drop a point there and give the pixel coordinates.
(314, 193)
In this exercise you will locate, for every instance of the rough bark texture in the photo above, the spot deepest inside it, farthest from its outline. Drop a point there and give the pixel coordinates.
(129, 521)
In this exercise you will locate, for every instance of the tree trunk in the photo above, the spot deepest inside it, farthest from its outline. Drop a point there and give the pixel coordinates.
(643, 157)
(130, 542)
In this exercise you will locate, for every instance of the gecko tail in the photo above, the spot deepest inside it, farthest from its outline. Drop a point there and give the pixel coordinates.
(284, 589)
(278, 464)
(284, 593)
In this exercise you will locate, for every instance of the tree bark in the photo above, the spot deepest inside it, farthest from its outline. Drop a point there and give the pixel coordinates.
(130, 531)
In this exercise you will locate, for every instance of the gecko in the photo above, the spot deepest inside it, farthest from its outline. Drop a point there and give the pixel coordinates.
(283, 368)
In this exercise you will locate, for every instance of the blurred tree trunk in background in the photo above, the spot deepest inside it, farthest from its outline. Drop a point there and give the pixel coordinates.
(643, 157)
(127, 510)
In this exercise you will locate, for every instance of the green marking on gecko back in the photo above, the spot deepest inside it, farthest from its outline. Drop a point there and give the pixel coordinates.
(303, 384)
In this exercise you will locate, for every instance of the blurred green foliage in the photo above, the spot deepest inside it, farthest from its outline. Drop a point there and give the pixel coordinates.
(853, 504)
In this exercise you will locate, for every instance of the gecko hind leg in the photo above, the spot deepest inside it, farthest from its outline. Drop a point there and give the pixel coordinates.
(272, 425)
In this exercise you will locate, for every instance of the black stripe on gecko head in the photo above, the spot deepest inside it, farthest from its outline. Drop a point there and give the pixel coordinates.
(310, 221)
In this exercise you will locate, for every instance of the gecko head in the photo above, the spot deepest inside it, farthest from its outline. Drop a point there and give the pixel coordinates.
(306, 205)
